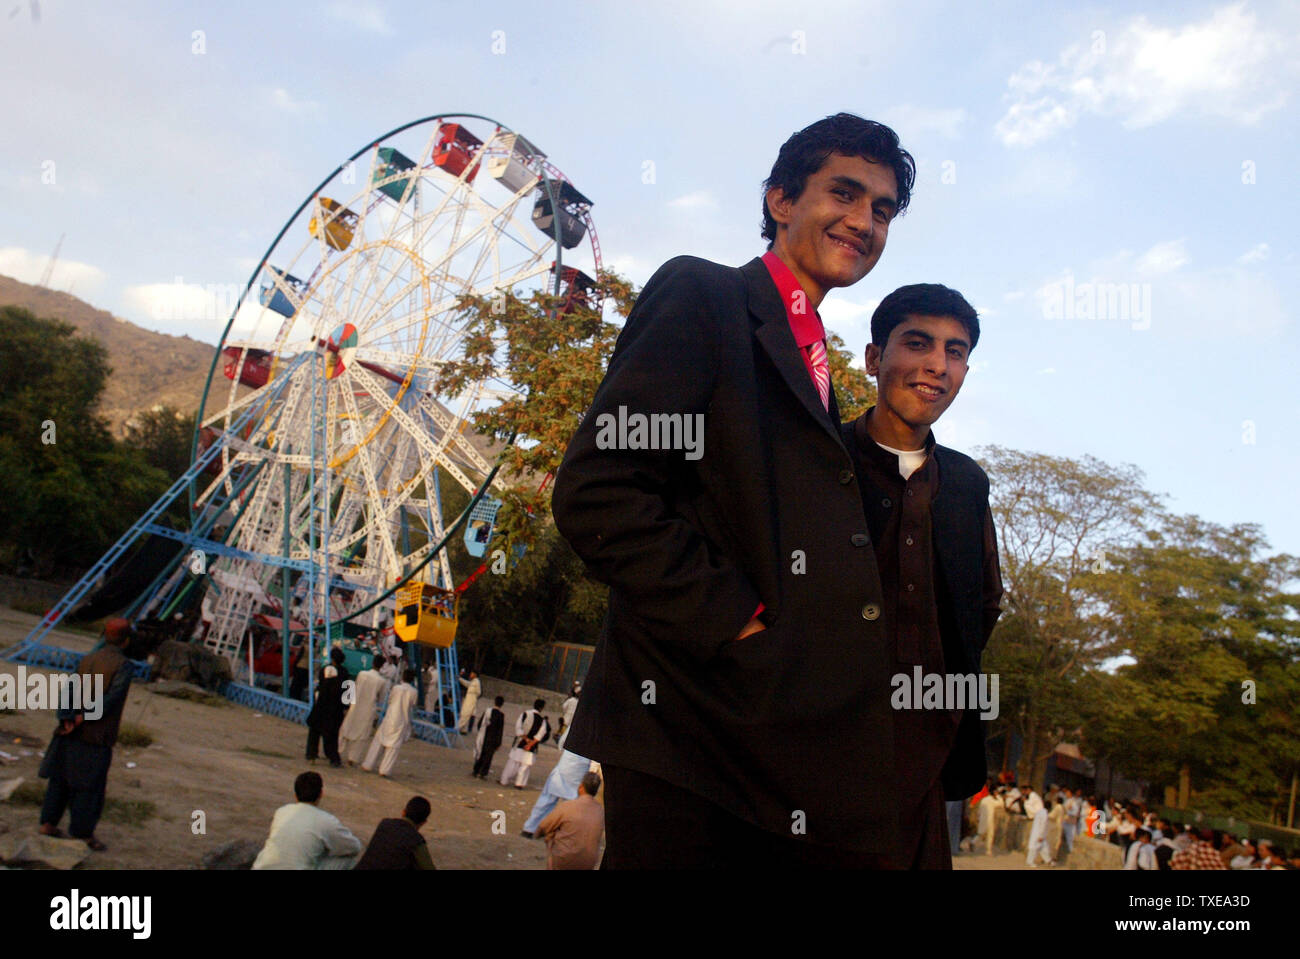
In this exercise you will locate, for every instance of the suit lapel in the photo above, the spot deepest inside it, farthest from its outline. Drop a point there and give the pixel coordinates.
(774, 334)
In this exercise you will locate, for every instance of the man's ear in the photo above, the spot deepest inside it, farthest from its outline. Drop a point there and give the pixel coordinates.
(872, 359)
(777, 205)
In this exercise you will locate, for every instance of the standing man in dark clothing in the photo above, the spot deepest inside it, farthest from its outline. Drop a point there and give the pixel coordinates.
(298, 657)
(77, 761)
(489, 738)
(326, 716)
(927, 511)
(397, 843)
(744, 644)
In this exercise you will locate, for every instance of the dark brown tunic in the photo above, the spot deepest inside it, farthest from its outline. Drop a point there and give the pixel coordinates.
(910, 581)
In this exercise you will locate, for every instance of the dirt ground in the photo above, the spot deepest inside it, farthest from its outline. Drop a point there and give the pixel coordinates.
(238, 767)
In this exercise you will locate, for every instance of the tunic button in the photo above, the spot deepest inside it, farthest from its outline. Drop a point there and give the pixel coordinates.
(910, 587)
(909, 492)
(871, 611)
(886, 503)
(859, 539)
(909, 541)
(846, 476)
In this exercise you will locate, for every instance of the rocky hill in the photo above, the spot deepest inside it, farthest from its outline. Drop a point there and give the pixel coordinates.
(148, 368)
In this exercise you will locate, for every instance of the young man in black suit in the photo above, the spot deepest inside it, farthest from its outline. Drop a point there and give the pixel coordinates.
(739, 699)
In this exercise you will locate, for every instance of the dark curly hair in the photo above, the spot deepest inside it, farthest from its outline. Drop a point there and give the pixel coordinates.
(922, 299)
(807, 151)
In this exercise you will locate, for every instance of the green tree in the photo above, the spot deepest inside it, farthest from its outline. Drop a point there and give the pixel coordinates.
(1057, 519)
(855, 391)
(1210, 690)
(513, 618)
(163, 436)
(67, 490)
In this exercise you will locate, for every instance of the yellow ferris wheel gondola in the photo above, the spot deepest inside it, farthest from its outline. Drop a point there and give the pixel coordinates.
(339, 223)
(426, 614)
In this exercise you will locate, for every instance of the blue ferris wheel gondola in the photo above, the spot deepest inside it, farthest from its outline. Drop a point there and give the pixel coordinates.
(481, 524)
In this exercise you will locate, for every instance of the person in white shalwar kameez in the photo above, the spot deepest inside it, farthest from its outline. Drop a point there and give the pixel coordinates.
(473, 689)
(368, 695)
(1036, 811)
(396, 727)
(531, 730)
(984, 831)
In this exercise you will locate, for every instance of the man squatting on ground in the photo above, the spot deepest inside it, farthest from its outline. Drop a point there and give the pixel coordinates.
(762, 595)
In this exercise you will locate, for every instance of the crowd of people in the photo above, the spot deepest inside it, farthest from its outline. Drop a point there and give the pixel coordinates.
(344, 718)
(1147, 840)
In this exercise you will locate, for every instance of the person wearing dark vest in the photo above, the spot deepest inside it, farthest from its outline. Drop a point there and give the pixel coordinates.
(397, 843)
(77, 761)
(927, 511)
(327, 714)
(490, 733)
(738, 700)
(531, 730)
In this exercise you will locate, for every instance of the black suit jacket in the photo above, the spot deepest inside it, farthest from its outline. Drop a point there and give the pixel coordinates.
(789, 728)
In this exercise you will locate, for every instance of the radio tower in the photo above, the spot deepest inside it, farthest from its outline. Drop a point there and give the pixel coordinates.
(49, 267)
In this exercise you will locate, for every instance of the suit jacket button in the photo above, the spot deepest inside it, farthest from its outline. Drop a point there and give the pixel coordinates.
(859, 539)
(871, 611)
(846, 476)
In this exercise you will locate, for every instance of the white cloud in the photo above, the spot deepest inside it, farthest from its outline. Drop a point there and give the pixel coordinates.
(181, 308)
(699, 200)
(81, 279)
(1047, 371)
(1163, 257)
(367, 17)
(281, 99)
(913, 121)
(1225, 65)
(1256, 253)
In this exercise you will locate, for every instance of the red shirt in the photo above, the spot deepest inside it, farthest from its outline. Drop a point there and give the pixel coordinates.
(805, 324)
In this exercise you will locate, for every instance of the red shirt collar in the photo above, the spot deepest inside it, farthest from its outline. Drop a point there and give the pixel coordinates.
(806, 325)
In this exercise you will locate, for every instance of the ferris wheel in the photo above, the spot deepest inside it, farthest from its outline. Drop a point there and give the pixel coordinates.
(323, 448)
(334, 449)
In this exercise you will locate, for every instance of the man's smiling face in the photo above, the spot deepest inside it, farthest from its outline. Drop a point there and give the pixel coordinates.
(919, 373)
(834, 233)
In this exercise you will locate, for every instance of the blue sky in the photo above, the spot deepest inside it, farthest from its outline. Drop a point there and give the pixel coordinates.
(1144, 155)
